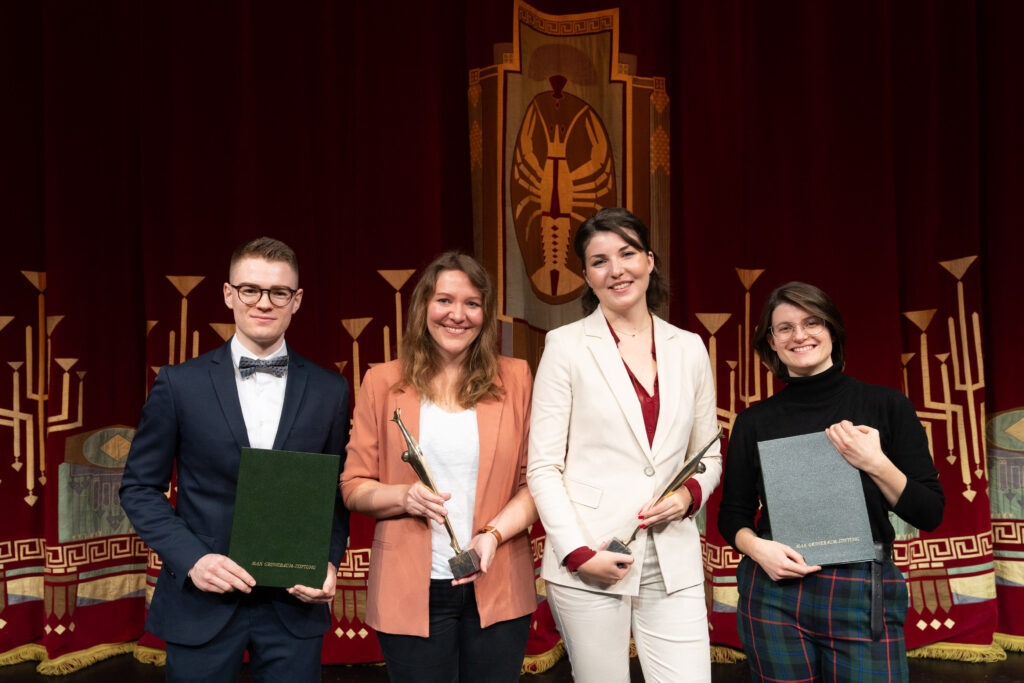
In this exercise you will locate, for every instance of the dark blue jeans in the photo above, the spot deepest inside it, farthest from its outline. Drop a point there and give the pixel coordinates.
(457, 648)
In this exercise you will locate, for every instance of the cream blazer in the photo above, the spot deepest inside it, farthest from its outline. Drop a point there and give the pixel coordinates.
(398, 587)
(591, 468)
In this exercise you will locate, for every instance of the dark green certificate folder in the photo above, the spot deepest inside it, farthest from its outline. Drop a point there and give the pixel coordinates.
(284, 507)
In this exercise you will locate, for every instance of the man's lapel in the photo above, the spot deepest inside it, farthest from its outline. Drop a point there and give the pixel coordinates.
(294, 389)
(222, 376)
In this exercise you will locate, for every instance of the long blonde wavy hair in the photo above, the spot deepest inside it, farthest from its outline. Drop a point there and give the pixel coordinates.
(421, 360)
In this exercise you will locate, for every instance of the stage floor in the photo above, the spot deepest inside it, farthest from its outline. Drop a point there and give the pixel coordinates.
(127, 669)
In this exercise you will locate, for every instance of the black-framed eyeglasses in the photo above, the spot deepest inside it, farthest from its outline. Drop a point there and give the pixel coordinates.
(812, 326)
(250, 295)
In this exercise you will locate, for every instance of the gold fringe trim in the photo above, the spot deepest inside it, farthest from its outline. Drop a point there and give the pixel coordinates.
(964, 652)
(721, 654)
(150, 655)
(538, 664)
(1009, 642)
(73, 661)
(23, 653)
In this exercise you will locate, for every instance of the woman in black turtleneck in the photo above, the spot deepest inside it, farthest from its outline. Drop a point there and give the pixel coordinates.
(799, 622)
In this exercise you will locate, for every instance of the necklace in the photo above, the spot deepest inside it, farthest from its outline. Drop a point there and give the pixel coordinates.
(633, 334)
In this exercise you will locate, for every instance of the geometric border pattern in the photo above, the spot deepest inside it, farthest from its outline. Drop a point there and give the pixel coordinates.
(943, 550)
(355, 564)
(1008, 532)
(21, 550)
(69, 556)
(918, 551)
(720, 557)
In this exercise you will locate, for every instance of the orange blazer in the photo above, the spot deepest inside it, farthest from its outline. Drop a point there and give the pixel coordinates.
(399, 582)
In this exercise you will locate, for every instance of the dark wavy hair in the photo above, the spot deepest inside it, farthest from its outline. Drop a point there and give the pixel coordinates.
(635, 233)
(266, 248)
(421, 361)
(815, 302)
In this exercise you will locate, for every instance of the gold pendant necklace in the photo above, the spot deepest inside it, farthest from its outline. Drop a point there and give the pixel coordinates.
(634, 334)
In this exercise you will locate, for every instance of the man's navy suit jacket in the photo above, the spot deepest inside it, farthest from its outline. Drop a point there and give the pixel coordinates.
(193, 421)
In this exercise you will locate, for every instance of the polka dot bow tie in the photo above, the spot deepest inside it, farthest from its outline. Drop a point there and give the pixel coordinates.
(275, 366)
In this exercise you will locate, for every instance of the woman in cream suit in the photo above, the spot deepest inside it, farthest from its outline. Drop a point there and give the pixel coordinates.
(621, 400)
(469, 410)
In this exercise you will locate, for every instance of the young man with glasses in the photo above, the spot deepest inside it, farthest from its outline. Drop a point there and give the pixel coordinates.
(253, 391)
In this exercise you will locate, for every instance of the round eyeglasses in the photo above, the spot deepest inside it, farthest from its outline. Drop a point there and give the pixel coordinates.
(250, 295)
(812, 326)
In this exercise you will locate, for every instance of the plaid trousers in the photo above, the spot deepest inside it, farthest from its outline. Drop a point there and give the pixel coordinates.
(818, 628)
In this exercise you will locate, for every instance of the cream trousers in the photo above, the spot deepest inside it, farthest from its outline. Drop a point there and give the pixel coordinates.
(670, 631)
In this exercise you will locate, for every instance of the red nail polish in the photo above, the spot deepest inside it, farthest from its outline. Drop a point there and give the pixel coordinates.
(643, 526)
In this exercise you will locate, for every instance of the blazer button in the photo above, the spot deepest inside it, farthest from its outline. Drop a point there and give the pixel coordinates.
(649, 471)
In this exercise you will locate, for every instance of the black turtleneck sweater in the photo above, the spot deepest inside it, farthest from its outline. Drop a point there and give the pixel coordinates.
(810, 404)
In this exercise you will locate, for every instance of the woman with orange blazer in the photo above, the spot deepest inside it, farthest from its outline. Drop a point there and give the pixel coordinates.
(469, 410)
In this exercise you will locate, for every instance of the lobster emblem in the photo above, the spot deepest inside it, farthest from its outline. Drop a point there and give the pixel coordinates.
(562, 173)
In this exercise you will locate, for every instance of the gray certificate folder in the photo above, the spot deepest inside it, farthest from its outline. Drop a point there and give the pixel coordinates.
(284, 508)
(815, 500)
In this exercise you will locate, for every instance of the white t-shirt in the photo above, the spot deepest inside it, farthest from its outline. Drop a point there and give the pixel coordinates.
(451, 449)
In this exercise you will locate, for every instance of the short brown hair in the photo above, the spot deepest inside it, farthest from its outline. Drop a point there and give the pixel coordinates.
(266, 248)
(812, 300)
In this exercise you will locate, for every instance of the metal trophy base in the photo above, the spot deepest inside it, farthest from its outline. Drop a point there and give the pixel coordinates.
(465, 563)
(694, 466)
(617, 546)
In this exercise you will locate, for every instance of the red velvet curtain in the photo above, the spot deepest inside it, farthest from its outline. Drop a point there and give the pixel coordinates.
(858, 146)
